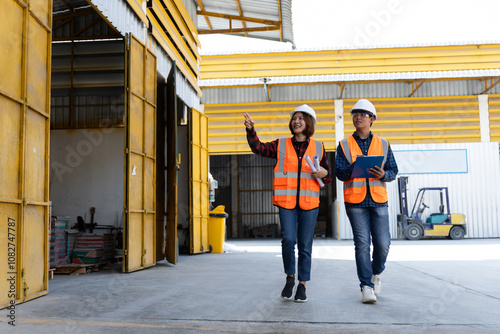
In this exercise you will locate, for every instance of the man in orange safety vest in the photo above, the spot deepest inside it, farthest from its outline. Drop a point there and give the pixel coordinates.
(365, 199)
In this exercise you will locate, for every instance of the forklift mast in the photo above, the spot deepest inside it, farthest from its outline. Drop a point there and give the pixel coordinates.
(403, 201)
(403, 205)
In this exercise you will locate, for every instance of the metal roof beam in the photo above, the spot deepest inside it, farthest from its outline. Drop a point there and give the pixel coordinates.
(415, 85)
(202, 7)
(342, 86)
(238, 18)
(240, 11)
(234, 31)
(492, 84)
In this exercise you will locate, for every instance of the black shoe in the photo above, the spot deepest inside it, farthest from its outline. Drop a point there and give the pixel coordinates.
(300, 295)
(288, 289)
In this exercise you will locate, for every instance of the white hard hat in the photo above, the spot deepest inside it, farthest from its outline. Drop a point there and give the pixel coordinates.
(365, 105)
(305, 109)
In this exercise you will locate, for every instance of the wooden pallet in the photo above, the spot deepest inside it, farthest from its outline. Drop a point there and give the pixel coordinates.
(79, 269)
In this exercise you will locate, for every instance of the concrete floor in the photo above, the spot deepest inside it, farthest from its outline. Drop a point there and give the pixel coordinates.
(429, 286)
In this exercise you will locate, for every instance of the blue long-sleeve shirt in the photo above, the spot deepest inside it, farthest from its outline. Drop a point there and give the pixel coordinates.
(343, 169)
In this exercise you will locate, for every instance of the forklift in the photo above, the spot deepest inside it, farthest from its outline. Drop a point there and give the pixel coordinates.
(438, 224)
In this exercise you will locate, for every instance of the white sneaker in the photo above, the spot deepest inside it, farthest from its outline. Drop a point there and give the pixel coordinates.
(378, 284)
(368, 295)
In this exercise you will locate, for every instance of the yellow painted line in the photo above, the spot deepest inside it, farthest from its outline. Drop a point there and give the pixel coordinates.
(290, 71)
(400, 138)
(137, 8)
(181, 23)
(402, 100)
(187, 19)
(244, 142)
(354, 64)
(262, 126)
(441, 137)
(323, 105)
(170, 49)
(129, 325)
(420, 121)
(440, 129)
(269, 103)
(175, 41)
(459, 51)
(265, 109)
(332, 132)
(286, 113)
(265, 133)
(422, 113)
(191, 55)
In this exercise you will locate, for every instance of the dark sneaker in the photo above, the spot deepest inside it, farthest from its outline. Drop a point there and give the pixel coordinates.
(300, 295)
(288, 289)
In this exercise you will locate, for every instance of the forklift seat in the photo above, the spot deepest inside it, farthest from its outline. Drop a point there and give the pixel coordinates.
(437, 218)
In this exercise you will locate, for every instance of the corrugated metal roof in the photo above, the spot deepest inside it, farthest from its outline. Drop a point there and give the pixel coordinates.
(327, 91)
(257, 9)
(353, 77)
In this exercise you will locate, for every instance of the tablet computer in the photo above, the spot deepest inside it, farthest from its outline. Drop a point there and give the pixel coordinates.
(363, 164)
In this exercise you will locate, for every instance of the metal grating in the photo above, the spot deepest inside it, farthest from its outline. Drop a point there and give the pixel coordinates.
(87, 86)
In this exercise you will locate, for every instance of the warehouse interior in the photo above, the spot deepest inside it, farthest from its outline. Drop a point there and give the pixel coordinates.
(121, 150)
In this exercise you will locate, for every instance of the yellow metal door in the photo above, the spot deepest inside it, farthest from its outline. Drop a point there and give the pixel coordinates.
(198, 175)
(173, 163)
(140, 158)
(25, 41)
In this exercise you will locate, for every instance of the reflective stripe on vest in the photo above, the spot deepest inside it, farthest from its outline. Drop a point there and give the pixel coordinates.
(286, 176)
(355, 189)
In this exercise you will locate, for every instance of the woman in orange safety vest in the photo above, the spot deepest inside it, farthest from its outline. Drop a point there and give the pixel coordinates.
(296, 191)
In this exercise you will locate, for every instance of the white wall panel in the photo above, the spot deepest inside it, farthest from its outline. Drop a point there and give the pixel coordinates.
(475, 194)
(87, 171)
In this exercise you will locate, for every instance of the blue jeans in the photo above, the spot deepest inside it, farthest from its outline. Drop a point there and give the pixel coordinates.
(365, 222)
(297, 227)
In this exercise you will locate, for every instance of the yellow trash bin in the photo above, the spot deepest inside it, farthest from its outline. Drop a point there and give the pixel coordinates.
(217, 229)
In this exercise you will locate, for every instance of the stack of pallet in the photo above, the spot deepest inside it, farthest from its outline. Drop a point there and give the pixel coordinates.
(94, 248)
(59, 240)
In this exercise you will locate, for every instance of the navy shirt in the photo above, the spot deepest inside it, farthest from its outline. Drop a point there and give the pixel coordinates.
(343, 169)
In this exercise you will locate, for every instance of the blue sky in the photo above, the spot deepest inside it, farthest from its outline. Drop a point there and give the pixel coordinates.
(357, 23)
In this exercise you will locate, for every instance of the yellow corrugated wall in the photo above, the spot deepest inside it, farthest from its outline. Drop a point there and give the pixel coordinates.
(423, 120)
(494, 109)
(227, 134)
(401, 121)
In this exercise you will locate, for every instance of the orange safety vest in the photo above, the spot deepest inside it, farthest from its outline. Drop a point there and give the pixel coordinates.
(286, 174)
(355, 189)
